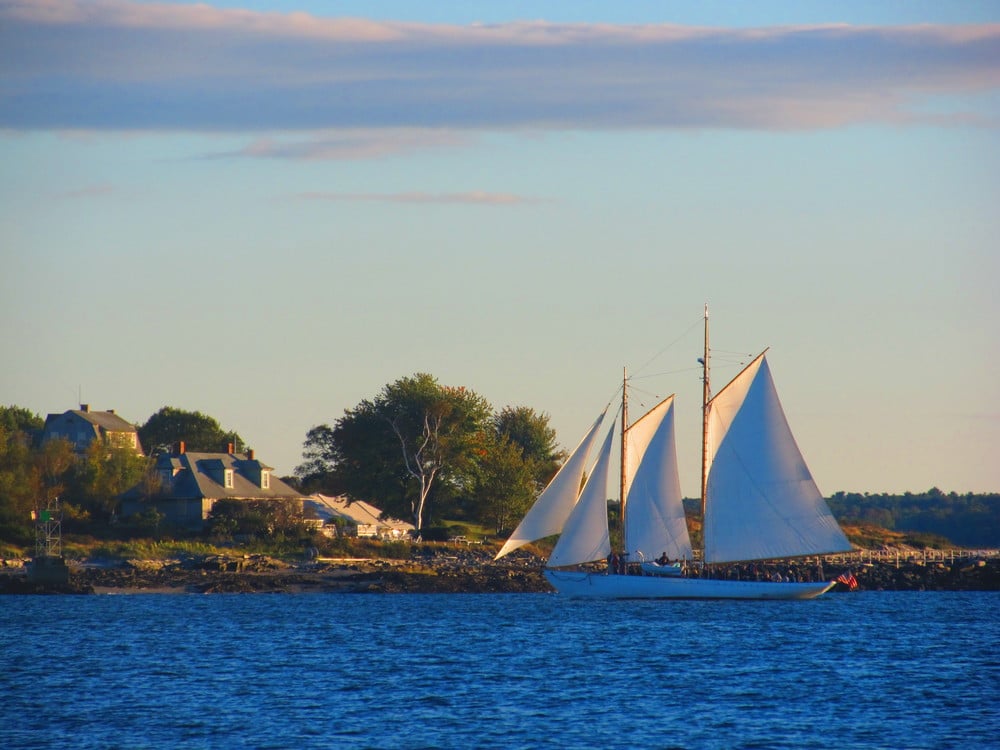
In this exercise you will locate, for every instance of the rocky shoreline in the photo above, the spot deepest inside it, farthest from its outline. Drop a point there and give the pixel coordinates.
(436, 570)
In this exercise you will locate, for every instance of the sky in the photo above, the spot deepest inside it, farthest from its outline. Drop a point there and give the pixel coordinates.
(266, 211)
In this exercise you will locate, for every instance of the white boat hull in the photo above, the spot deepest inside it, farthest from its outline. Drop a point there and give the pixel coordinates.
(603, 586)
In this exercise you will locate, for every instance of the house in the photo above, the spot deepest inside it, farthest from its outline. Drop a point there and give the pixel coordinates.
(83, 426)
(190, 483)
(362, 519)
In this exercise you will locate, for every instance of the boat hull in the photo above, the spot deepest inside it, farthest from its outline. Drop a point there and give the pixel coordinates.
(603, 586)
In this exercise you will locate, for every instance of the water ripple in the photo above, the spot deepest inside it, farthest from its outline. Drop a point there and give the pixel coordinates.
(894, 669)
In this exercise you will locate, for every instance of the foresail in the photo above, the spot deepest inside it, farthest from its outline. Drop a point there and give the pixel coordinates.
(761, 500)
(585, 535)
(550, 511)
(654, 515)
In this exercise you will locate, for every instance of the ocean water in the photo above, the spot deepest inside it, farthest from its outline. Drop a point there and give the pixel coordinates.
(862, 670)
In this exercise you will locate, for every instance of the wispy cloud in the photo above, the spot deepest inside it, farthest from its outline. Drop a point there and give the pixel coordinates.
(119, 65)
(90, 191)
(474, 197)
(350, 144)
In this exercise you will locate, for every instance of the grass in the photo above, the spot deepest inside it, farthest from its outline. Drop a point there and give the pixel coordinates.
(79, 546)
(867, 536)
(13, 552)
(142, 549)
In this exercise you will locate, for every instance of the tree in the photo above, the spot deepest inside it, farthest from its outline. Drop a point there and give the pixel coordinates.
(415, 438)
(103, 473)
(52, 462)
(316, 472)
(19, 419)
(19, 472)
(28, 476)
(199, 432)
(18, 484)
(441, 432)
(280, 519)
(531, 433)
(505, 483)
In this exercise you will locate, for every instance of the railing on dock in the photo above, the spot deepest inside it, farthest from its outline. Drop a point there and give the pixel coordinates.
(901, 556)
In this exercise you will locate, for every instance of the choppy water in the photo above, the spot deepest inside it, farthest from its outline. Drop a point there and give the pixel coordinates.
(888, 670)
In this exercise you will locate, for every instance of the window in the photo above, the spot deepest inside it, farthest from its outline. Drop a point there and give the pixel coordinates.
(229, 479)
(265, 479)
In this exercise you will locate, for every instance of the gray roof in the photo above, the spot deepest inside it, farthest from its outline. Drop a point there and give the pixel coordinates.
(106, 422)
(193, 479)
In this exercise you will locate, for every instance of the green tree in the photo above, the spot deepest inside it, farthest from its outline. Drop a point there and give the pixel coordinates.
(200, 433)
(29, 476)
(52, 463)
(505, 483)
(320, 454)
(441, 432)
(18, 484)
(280, 519)
(531, 433)
(19, 419)
(414, 438)
(103, 473)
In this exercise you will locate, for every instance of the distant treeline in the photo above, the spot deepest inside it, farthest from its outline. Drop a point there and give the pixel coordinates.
(970, 520)
(967, 520)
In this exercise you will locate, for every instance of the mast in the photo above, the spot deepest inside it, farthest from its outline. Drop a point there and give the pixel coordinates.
(706, 395)
(621, 485)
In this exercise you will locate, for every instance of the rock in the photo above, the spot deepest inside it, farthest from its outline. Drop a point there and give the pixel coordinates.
(444, 570)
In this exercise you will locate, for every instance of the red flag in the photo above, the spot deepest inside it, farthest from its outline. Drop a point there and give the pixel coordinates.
(848, 580)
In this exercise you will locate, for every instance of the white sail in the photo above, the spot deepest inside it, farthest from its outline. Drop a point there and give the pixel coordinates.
(585, 536)
(761, 500)
(654, 512)
(550, 511)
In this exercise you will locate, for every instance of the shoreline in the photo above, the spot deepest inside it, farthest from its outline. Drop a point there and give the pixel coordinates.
(425, 574)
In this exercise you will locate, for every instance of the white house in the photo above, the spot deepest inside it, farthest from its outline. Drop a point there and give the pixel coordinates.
(364, 519)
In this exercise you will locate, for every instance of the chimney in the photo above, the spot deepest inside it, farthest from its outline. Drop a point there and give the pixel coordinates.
(85, 407)
(111, 411)
(250, 454)
(230, 449)
(180, 448)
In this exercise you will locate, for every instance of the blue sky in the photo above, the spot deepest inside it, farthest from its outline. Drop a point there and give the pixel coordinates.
(267, 211)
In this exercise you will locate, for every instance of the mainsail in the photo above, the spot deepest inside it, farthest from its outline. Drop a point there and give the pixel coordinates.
(761, 500)
(549, 513)
(654, 512)
(585, 535)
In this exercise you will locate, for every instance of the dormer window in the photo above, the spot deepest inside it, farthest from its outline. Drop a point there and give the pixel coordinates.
(265, 479)
(229, 479)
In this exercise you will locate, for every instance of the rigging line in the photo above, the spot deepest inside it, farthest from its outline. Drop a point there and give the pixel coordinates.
(614, 397)
(642, 392)
(667, 372)
(694, 325)
(645, 397)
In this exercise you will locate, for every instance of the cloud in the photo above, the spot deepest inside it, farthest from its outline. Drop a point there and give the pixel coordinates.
(118, 65)
(346, 144)
(471, 197)
(90, 191)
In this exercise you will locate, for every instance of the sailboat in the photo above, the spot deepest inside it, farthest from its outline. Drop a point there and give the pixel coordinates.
(759, 502)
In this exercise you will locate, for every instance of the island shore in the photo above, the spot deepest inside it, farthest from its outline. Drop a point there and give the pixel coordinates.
(431, 570)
